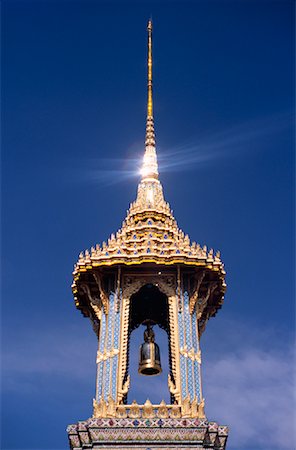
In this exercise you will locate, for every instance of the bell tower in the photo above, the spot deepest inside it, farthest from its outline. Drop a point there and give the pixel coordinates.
(148, 273)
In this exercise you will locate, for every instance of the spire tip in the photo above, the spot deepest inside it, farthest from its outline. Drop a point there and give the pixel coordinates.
(149, 26)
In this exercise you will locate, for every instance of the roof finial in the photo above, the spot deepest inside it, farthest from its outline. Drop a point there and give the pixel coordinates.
(150, 101)
(149, 168)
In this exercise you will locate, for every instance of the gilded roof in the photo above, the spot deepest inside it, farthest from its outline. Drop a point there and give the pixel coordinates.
(149, 233)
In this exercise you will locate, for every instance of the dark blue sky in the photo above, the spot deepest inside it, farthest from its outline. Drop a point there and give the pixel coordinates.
(74, 97)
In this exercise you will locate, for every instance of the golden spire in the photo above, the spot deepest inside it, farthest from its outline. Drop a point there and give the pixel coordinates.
(150, 101)
(149, 168)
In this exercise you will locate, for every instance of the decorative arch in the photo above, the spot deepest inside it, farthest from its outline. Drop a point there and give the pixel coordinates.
(167, 286)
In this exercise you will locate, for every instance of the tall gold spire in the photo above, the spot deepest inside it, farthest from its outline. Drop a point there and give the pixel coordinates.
(150, 100)
(149, 168)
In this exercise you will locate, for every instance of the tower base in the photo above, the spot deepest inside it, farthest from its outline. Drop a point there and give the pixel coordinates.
(148, 434)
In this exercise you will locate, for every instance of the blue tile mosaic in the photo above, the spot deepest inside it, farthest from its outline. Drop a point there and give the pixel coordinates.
(183, 376)
(190, 379)
(100, 379)
(114, 376)
(196, 376)
(181, 330)
(107, 379)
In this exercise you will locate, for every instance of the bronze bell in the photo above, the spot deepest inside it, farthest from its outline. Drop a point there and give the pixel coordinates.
(149, 354)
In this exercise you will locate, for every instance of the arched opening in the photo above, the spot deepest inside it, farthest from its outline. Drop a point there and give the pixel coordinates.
(149, 304)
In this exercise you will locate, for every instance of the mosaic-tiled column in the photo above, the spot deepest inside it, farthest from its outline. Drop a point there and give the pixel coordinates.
(107, 358)
(189, 350)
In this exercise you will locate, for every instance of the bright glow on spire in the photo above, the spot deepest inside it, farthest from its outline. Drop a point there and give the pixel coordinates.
(149, 167)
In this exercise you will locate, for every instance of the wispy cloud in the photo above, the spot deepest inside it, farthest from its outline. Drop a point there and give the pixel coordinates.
(205, 149)
(250, 387)
(235, 141)
(247, 379)
(67, 354)
(253, 394)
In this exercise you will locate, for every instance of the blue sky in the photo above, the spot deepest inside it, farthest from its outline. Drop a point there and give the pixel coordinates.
(74, 94)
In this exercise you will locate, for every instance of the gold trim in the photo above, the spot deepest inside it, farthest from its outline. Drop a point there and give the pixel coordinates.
(103, 295)
(122, 388)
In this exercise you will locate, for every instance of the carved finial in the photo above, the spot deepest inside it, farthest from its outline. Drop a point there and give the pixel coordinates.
(134, 411)
(185, 407)
(173, 388)
(163, 411)
(103, 405)
(201, 409)
(148, 411)
(111, 408)
(121, 412)
(96, 409)
(175, 411)
(194, 408)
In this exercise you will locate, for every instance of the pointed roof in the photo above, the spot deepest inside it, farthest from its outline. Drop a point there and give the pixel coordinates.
(150, 233)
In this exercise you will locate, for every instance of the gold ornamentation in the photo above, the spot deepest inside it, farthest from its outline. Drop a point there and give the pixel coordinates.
(149, 216)
(148, 411)
(202, 301)
(118, 289)
(121, 412)
(191, 354)
(162, 411)
(185, 407)
(175, 388)
(99, 408)
(131, 285)
(96, 409)
(172, 388)
(134, 411)
(124, 389)
(194, 408)
(175, 412)
(103, 295)
(111, 407)
(106, 354)
(179, 288)
(95, 304)
(194, 297)
(149, 103)
(201, 409)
